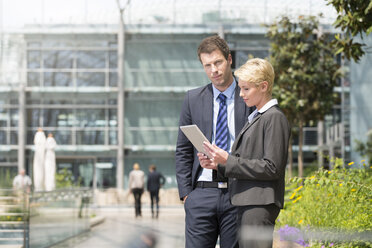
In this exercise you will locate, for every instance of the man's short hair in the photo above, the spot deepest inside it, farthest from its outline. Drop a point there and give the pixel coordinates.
(152, 167)
(213, 43)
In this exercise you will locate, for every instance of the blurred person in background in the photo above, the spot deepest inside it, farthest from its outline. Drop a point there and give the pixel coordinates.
(155, 180)
(136, 186)
(22, 182)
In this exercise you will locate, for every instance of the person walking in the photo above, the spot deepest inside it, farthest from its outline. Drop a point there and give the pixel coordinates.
(155, 180)
(220, 113)
(256, 164)
(136, 186)
(22, 182)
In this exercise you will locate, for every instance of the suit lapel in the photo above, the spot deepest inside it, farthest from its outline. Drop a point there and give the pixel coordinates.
(239, 111)
(207, 112)
(245, 128)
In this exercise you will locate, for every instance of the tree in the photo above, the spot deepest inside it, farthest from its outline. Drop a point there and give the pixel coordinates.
(354, 18)
(306, 73)
(365, 149)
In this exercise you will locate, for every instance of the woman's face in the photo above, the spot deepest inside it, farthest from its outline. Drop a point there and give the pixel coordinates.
(253, 95)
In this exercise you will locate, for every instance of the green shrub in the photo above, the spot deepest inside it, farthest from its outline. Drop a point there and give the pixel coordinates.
(337, 200)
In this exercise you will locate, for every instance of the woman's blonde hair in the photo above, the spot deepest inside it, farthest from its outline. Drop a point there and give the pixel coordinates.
(257, 71)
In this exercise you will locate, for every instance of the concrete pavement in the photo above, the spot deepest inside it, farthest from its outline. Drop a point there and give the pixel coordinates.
(122, 229)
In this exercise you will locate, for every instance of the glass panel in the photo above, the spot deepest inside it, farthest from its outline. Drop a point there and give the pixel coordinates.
(13, 138)
(153, 113)
(58, 118)
(33, 59)
(90, 118)
(152, 137)
(113, 59)
(33, 117)
(33, 79)
(91, 79)
(150, 55)
(58, 59)
(14, 117)
(165, 78)
(57, 79)
(3, 117)
(90, 138)
(113, 139)
(3, 137)
(57, 216)
(113, 79)
(91, 59)
(63, 137)
(113, 118)
(242, 56)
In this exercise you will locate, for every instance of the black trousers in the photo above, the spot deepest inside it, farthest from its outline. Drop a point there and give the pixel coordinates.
(154, 201)
(209, 215)
(256, 225)
(137, 193)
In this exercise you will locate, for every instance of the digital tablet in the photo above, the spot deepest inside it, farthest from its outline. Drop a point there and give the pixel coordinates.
(195, 136)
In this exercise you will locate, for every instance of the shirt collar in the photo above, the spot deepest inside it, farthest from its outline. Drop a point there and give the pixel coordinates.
(229, 92)
(268, 105)
(265, 107)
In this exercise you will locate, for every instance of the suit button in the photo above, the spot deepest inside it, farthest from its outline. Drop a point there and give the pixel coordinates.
(237, 155)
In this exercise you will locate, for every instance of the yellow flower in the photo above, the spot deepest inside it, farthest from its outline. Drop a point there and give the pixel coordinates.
(340, 184)
(353, 190)
(317, 184)
(300, 221)
(363, 161)
(351, 163)
(293, 195)
(299, 188)
(329, 172)
(19, 219)
(312, 177)
(298, 198)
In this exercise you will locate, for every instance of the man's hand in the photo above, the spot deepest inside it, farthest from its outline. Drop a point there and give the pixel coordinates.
(184, 199)
(206, 162)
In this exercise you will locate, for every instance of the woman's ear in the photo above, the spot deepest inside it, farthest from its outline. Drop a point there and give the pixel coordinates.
(264, 86)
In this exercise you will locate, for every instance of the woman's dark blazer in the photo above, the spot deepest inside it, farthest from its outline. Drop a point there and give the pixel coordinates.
(256, 165)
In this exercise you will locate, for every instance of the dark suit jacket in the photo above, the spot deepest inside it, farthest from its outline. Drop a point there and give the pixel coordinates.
(257, 161)
(154, 180)
(198, 109)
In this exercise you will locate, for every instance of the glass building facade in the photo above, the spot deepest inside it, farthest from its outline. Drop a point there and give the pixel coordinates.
(64, 79)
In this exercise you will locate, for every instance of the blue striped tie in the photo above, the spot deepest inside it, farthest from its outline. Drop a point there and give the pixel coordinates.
(222, 130)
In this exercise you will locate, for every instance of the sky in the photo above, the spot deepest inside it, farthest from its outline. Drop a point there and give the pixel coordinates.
(14, 14)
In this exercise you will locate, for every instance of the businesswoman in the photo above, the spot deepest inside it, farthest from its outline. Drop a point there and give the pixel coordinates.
(256, 165)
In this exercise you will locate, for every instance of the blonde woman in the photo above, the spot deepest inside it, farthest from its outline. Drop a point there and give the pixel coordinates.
(256, 165)
(136, 186)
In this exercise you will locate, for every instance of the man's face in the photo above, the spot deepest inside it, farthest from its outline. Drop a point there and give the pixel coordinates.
(218, 69)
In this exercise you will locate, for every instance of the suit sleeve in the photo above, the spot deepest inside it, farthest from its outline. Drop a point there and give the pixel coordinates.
(271, 165)
(184, 153)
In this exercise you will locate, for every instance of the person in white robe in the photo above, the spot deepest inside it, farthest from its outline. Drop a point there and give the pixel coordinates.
(38, 171)
(50, 163)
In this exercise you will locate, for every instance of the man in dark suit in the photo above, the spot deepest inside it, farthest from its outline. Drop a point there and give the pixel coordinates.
(209, 213)
(154, 181)
(256, 164)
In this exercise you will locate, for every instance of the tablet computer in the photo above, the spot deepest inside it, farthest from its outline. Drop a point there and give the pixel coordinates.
(196, 137)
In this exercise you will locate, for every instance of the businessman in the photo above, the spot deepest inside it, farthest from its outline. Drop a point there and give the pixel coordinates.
(154, 181)
(220, 113)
